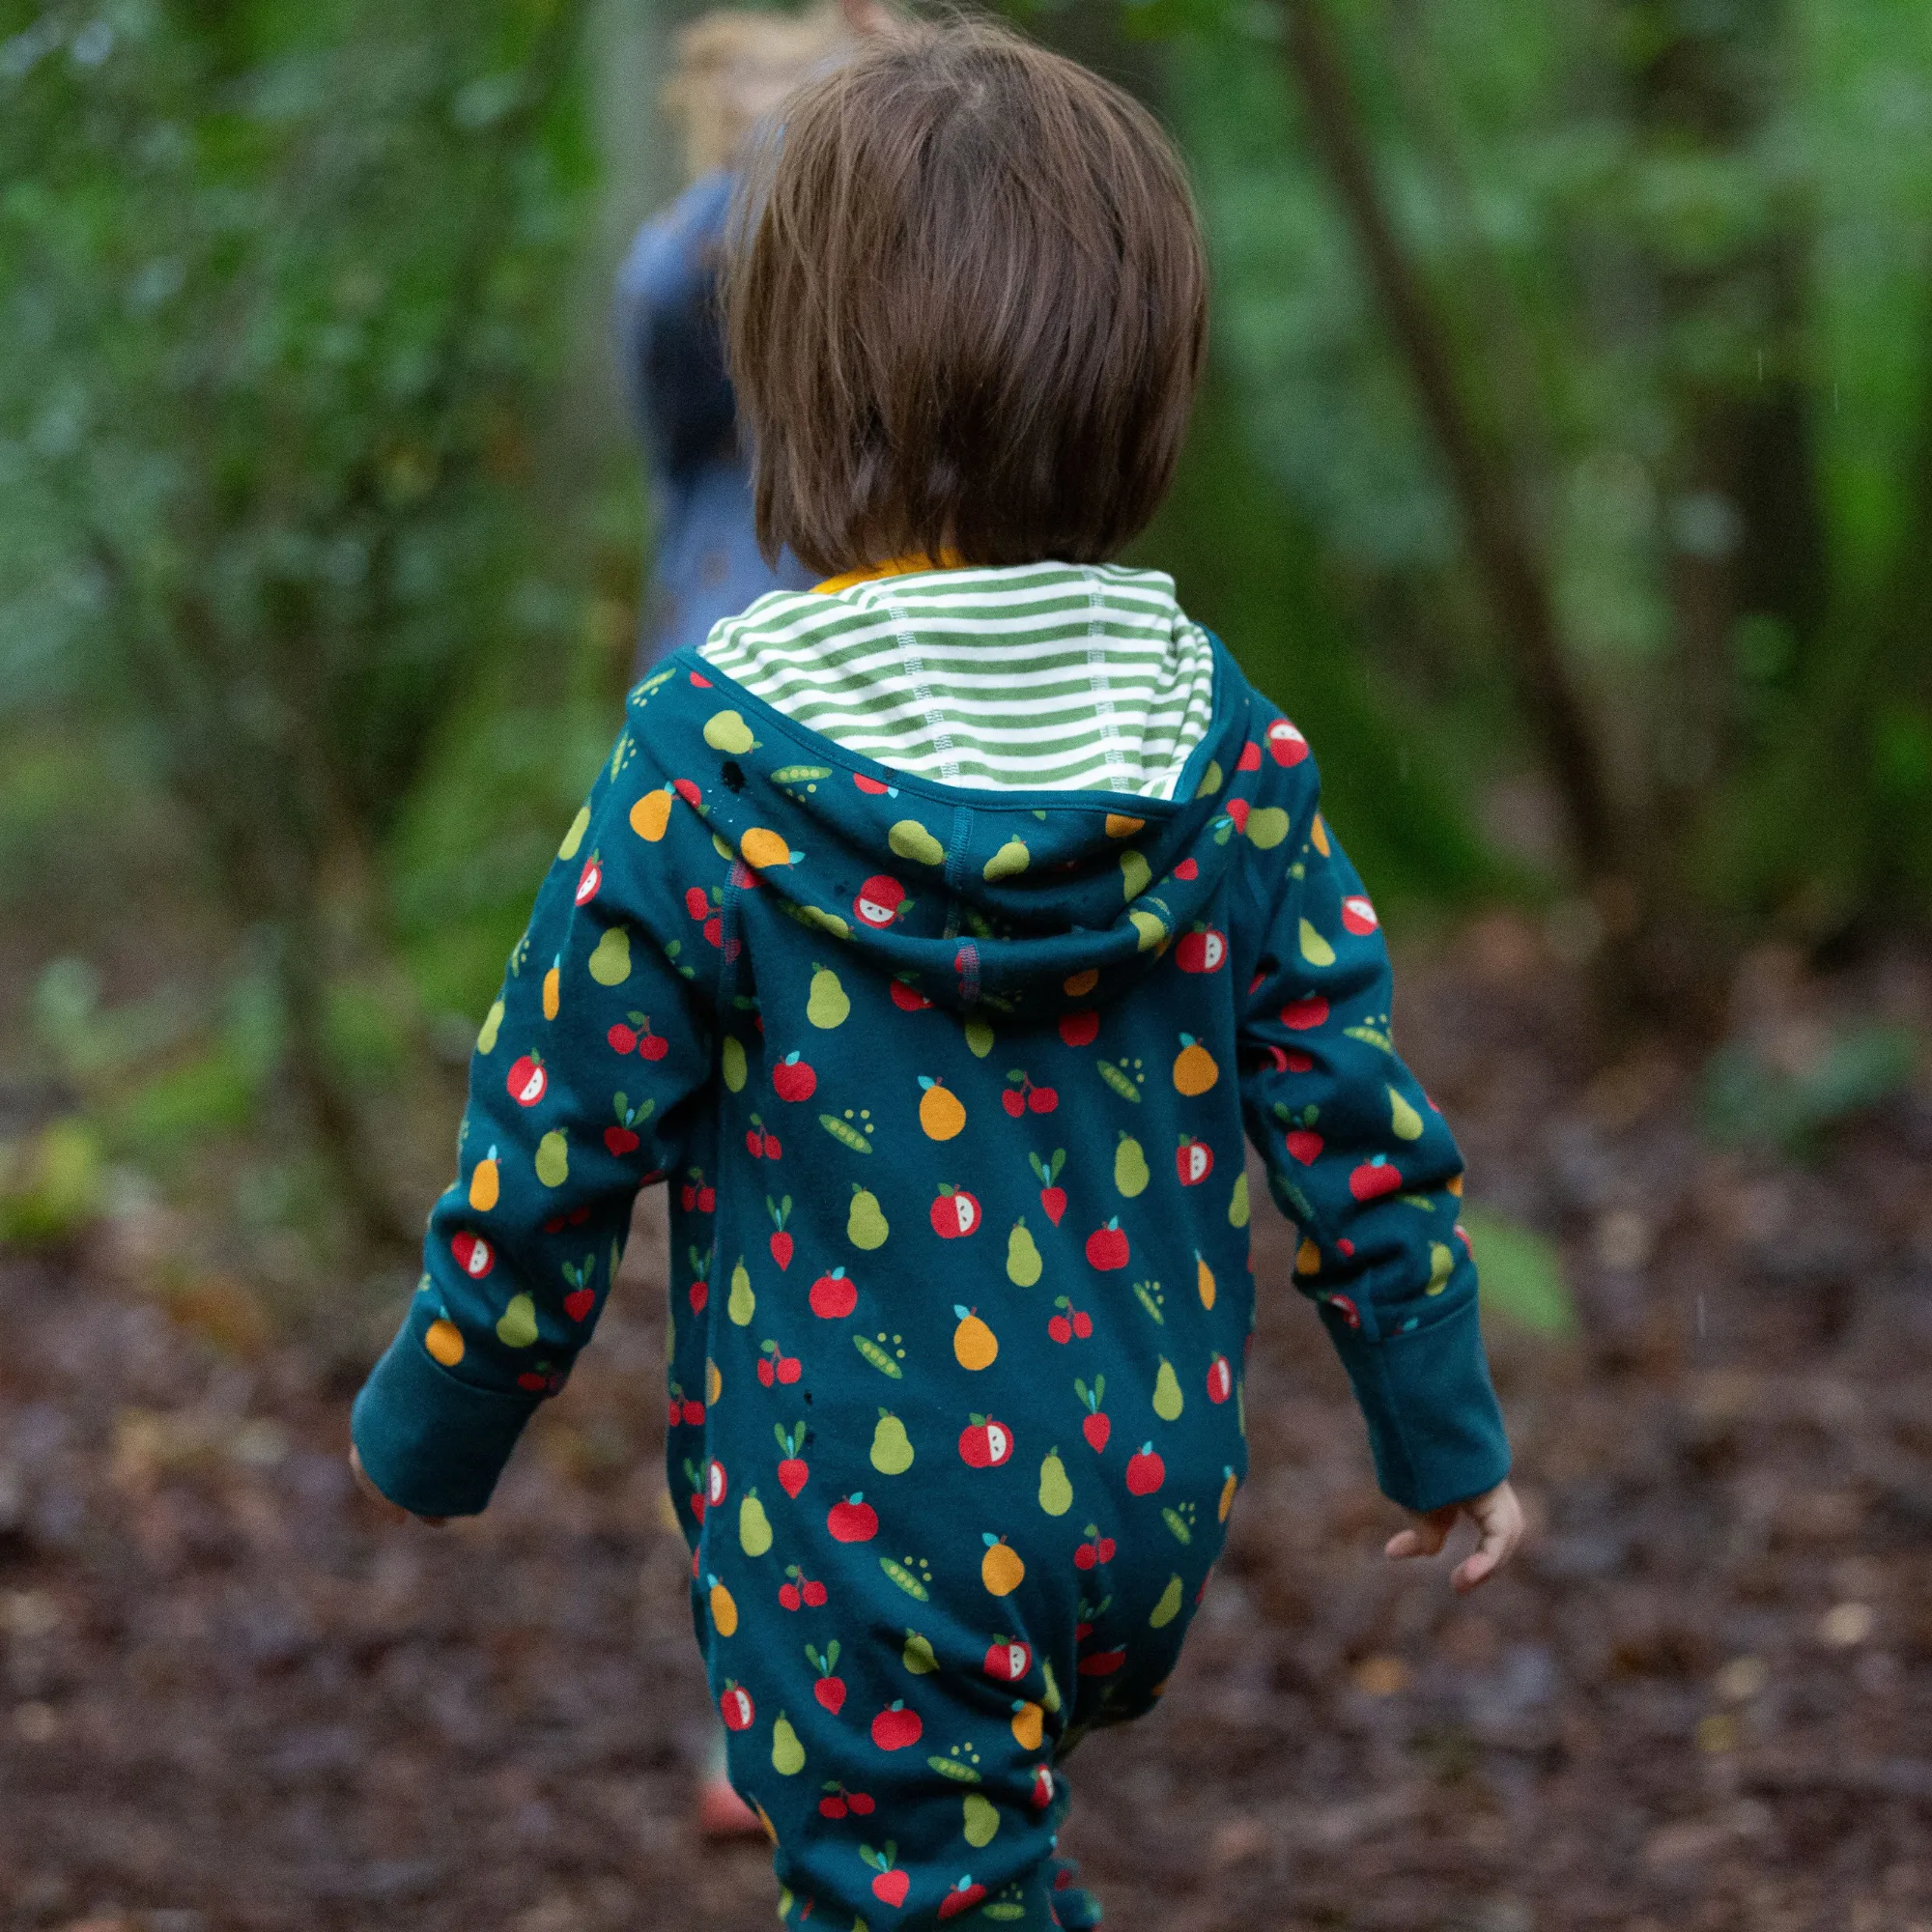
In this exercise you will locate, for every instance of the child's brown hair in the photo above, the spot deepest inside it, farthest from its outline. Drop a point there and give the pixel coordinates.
(967, 308)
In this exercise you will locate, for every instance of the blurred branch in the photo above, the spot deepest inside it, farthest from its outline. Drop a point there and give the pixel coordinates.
(1486, 491)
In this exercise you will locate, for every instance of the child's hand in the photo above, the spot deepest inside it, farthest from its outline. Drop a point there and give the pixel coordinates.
(393, 1511)
(1498, 1519)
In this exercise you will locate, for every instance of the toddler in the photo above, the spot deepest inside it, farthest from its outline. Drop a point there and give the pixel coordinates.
(935, 934)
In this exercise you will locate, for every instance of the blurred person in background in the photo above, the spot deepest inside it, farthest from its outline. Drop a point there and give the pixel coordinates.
(732, 68)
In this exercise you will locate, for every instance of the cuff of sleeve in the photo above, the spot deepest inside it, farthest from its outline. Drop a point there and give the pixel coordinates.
(1435, 1425)
(429, 1442)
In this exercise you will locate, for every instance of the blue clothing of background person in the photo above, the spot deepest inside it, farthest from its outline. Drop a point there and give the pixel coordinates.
(705, 563)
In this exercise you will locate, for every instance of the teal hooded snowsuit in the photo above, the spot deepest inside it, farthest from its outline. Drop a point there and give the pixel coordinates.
(949, 1087)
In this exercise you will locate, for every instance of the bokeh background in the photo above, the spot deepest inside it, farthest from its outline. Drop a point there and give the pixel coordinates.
(1564, 467)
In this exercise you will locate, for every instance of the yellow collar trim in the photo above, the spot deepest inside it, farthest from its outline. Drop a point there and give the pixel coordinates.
(898, 566)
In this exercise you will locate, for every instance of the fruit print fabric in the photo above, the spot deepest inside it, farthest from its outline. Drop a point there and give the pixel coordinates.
(992, 1472)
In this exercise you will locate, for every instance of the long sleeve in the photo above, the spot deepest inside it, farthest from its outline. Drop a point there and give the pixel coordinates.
(1361, 1160)
(577, 1096)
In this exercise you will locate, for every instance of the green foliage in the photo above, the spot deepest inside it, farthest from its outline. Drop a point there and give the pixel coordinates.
(1751, 1102)
(1522, 1274)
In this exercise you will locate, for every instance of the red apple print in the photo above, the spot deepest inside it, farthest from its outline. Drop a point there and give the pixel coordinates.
(579, 1302)
(1080, 1029)
(880, 901)
(896, 1727)
(1374, 1178)
(715, 1485)
(1188, 869)
(622, 1039)
(1205, 950)
(474, 1256)
(698, 902)
(588, 880)
(891, 1887)
(1220, 1379)
(984, 1444)
(1042, 1787)
(1238, 810)
(872, 787)
(702, 683)
(1007, 1661)
(963, 1897)
(909, 999)
(1358, 914)
(1102, 1663)
(1095, 1427)
(1146, 1471)
(1301, 1015)
(687, 791)
(1107, 1247)
(1286, 745)
(1305, 1145)
(527, 1081)
(833, 1295)
(1250, 759)
(853, 1519)
(954, 1212)
(793, 1079)
(736, 1708)
(1041, 1099)
(1193, 1161)
(1345, 1309)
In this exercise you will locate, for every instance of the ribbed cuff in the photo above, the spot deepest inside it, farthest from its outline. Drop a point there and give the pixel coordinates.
(1435, 1425)
(429, 1442)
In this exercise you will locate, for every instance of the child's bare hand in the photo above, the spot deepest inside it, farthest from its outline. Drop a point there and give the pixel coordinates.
(393, 1511)
(1498, 1519)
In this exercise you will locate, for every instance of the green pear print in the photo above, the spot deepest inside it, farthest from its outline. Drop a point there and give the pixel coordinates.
(486, 1040)
(574, 837)
(1169, 1608)
(1404, 1119)
(1237, 1203)
(1268, 827)
(891, 1447)
(910, 839)
(983, 1820)
(742, 1303)
(1313, 948)
(788, 1753)
(726, 731)
(979, 1039)
(517, 1326)
(610, 960)
(1130, 1168)
(731, 1064)
(755, 1526)
(1167, 1398)
(827, 1004)
(554, 1159)
(1135, 876)
(1023, 1263)
(865, 1225)
(918, 1656)
(1008, 861)
(1056, 1493)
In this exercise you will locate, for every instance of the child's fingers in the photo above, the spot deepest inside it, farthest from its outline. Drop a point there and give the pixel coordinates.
(1498, 1519)
(1423, 1537)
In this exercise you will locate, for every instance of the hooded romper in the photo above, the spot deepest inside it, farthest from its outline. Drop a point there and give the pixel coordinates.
(949, 1087)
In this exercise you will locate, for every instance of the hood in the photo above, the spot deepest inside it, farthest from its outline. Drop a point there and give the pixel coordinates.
(1029, 903)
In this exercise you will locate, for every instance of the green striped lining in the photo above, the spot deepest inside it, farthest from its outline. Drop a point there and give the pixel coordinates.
(1045, 675)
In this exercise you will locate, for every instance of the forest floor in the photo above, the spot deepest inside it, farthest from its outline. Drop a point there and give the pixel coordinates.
(1702, 1698)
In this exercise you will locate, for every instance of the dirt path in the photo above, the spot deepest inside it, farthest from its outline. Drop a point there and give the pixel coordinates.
(1704, 1699)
